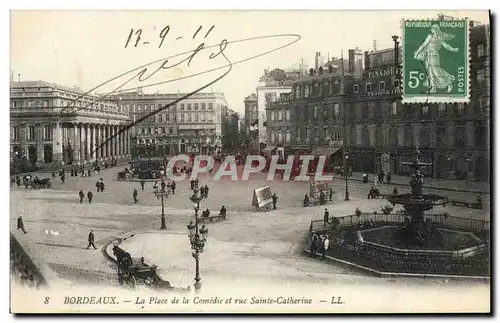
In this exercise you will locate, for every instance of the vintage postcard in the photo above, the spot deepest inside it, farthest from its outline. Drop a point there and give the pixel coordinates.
(250, 162)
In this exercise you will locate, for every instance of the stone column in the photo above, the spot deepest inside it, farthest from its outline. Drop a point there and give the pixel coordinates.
(22, 138)
(57, 152)
(106, 138)
(76, 143)
(127, 142)
(97, 141)
(89, 142)
(470, 134)
(39, 146)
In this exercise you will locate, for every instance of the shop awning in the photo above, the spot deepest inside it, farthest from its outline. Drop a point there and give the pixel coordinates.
(327, 151)
(268, 149)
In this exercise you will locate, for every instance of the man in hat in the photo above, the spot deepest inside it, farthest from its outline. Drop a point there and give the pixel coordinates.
(89, 196)
(20, 224)
(91, 239)
(81, 196)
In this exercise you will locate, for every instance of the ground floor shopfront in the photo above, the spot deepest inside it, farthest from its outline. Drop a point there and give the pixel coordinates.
(470, 165)
(53, 143)
(173, 145)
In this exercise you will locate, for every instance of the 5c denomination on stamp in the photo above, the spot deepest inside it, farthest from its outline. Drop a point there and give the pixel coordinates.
(435, 61)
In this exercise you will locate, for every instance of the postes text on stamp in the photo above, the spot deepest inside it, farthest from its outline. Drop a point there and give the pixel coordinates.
(435, 61)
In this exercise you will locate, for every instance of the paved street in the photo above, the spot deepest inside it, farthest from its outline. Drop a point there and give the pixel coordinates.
(274, 238)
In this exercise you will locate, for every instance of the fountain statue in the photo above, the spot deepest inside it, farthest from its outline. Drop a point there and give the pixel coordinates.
(418, 233)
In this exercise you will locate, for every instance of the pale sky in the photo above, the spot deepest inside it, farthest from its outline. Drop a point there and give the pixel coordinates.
(86, 48)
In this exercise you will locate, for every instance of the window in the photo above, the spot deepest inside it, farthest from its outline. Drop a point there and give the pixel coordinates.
(182, 117)
(336, 111)
(324, 134)
(316, 89)
(15, 133)
(171, 130)
(368, 87)
(326, 88)
(182, 106)
(408, 135)
(480, 77)
(365, 136)
(306, 90)
(31, 132)
(378, 110)
(441, 135)
(480, 134)
(441, 109)
(393, 136)
(210, 106)
(167, 117)
(196, 117)
(297, 92)
(46, 103)
(280, 115)
(189, 117)
(355, 88)
(316, 112)
(379, 136)
(480, 50)
(210, 117)
(189, 106)
(364, 111)
(288, 136)
(425, 110)
(460, 140)
(325, 113)
(202, 117)
(143, 131)
(203, 106)
(354, 135)
(287, 115)
(47, 132)
(273, 115)
(152, 107)
(394, 108)
(425, 136)
(160, 117)
(460, 108)
(381, 86)
(196, 106)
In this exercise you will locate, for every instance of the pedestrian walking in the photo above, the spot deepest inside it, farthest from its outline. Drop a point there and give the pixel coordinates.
(173, 187)
(89, 196)
(20, 224)
(135, 196)
(63, 177)
(388, 178)
(314, 244)
(275, 200)
(18, 181)
(330, 194)
(142, 184)
(163, 186)
(155, 186)
(91, 239)
(89, 172)
(395, 191)
(81, 195)
(326, 244)
(98, 186)
(326, 217)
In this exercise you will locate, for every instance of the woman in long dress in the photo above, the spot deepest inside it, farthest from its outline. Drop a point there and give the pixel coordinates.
(428, 52)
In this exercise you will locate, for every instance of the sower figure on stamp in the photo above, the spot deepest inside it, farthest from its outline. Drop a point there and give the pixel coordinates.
(428, 52)
(91, 239)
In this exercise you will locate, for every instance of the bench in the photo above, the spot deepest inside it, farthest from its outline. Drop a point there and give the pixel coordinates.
(473, 205)
(212, 218)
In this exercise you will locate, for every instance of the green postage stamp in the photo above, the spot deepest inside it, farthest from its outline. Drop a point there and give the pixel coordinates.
(435, 61)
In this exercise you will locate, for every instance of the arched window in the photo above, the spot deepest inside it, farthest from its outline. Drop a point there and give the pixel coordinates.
(353, 136)
(379, 136)
(326, 88)
(365, 136)
(316, 89)
(306, 90)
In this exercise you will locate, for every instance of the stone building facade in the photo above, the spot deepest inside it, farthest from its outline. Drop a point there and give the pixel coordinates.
(193, 125)
(57, 125)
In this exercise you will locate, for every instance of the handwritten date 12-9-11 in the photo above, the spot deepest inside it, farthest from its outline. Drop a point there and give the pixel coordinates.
(163, 33)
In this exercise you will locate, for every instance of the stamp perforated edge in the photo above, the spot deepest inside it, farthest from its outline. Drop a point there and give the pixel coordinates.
(427, 98)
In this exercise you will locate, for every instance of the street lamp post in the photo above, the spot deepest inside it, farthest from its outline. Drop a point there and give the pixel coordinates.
(346, 157)
(161, 194)
(197, 237)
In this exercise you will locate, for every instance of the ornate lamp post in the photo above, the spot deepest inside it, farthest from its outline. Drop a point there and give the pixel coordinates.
(161, 194)
(197, 237)
(346, 175)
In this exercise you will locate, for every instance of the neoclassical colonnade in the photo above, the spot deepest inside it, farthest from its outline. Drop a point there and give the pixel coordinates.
(92, 141)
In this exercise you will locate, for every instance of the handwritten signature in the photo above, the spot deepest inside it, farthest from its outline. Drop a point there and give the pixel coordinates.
(142, 73)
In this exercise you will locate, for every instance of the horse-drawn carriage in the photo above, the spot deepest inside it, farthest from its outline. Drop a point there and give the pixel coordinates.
(134, 271)
(29, 181)
(123, 175)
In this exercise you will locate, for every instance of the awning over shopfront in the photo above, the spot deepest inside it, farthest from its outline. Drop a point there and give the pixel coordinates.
(268, 149)
(327, 151)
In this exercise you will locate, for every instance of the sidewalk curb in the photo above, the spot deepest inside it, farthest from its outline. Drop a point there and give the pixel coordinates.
(425, 186)
(401, 275)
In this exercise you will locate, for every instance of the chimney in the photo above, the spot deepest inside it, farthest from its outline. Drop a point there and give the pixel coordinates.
(317, 60)
(320, 70)
(311, 71)
(330, 69)
(351, 61)
(367, 60)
